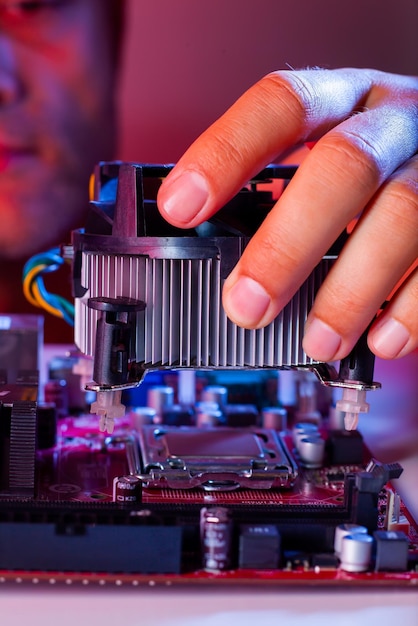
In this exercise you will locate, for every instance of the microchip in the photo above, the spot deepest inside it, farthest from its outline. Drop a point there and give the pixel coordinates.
(335, 477)
(259, 546)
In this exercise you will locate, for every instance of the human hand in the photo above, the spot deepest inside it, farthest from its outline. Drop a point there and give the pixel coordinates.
(365, 161)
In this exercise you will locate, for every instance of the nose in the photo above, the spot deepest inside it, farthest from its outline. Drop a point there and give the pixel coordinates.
(10, 85)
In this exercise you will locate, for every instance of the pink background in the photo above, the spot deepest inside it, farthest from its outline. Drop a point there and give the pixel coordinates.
(186, 61)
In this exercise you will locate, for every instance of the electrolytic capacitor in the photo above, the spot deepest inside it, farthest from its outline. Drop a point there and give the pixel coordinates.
(311, 451)
(346, 529)
(208, 414)
(302, 430)
(160, 398)
(215, 393)
(356, 552)
(142, 415)
(127, 489)
(274, 418)
(216, 536)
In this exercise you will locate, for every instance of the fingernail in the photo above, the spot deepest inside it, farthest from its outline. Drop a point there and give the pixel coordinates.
(321, 342)
(390, 338)
(185, 197)
(246, 302)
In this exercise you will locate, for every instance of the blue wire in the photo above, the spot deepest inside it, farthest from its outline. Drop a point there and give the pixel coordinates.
(55, 301)
(53, 260)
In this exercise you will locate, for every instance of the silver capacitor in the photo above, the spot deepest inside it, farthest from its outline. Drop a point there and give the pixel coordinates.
(160, 398)
(208, 413)
(356, 552)
(346, 529)
(209, 417)
(141, 416)
(274, 418)
(217, 394)
(302, 430)
(311, 451)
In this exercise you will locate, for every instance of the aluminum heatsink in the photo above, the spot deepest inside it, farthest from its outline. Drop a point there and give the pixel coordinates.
(183, 322)
(127, 253)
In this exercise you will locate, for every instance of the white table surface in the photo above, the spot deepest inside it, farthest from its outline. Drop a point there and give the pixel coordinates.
(39, 606)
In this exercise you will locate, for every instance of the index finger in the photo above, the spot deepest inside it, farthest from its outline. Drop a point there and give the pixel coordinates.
(283, 109)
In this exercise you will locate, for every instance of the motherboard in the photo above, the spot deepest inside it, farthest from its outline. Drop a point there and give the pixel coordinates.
(213, 492)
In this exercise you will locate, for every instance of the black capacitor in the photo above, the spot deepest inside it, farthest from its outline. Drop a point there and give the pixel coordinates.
(127, 489)
(216, 536)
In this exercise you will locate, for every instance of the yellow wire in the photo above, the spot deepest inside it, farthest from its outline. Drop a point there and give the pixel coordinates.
(33, 294)
(44, 305)
(27, 283)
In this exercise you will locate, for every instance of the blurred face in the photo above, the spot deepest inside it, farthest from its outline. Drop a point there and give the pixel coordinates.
(56, 116)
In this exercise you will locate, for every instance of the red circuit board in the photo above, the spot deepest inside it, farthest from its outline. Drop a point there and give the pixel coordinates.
(81, 469)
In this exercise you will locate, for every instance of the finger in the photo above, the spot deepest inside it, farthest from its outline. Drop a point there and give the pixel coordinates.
(283, 109)
(395, 332)
(379, 252)
(335, 181)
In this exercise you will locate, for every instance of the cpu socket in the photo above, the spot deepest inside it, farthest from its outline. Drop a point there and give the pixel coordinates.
(214, 459)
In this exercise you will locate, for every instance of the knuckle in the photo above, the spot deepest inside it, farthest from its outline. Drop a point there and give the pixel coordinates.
(277, 246)
(342, 306)
(351, 302)
(224, 153)
(401, 92)
(272, 260)
(401, 201)
(225, 143)
(261, 255)
(294, 91)
(374, 142)
(403, 188)
(349, 151)
(403, 214)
